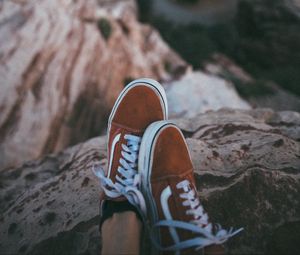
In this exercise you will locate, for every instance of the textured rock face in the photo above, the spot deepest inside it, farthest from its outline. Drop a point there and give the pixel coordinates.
(268, 39)
(197, 92)
(247, 167)
(63, 63)
(45, 201)
(259, 93)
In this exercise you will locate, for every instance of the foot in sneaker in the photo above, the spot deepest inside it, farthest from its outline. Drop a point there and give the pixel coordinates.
(142, 102)
(179, 220)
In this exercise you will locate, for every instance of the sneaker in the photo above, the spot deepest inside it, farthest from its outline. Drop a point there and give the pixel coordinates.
(141, 102)
(179, 221)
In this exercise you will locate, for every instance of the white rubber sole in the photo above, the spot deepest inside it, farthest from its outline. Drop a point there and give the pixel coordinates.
(145, 169)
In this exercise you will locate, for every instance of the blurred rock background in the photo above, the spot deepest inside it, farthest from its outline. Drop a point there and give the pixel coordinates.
(260, 36)
(63, 64)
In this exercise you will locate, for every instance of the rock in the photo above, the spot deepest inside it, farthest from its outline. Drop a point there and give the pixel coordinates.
(52, 205)
(294, 6)
(63, 63)
(262, 37)
(197, 92)
(221, 65)
(279, 99)
(247, 165)
(259, 93)
(203, 12)
(268, 40)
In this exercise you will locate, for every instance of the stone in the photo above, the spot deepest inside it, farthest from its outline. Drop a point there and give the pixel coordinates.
(258, 93)
(247, 165)
(197, 92)
(63, 64)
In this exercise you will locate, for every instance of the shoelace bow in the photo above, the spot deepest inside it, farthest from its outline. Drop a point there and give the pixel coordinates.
(200, 225)
(128, 180)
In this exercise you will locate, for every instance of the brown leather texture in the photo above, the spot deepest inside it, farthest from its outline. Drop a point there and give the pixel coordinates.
(171, 164)
(138, 108)
(171, 154)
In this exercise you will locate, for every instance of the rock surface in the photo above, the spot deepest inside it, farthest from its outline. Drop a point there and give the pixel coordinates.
(63, 63)
(197, 92)
(259, 93)
(247, 167)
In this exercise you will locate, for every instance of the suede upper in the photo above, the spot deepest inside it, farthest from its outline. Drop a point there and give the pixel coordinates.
(171, 164)
(135, 110)
(139, 108)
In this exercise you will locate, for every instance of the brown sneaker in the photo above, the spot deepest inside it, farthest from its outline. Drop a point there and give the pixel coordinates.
(179, 221)
(142, 102)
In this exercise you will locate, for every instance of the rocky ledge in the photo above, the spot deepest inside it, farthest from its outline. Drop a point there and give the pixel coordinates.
(247, 167)
(63, 64)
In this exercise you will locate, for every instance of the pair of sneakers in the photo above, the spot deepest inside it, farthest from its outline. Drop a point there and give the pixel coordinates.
(150, 166)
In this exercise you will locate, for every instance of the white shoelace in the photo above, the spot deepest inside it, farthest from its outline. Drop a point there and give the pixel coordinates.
(196, 209)
(200, 225)
(128, 184)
